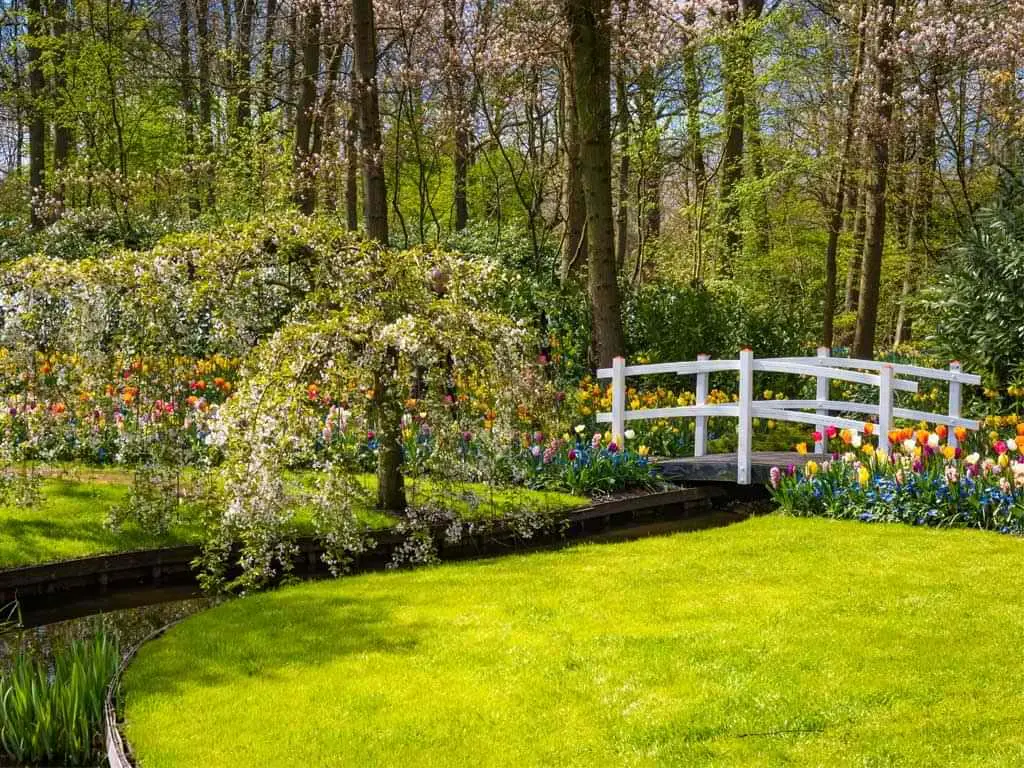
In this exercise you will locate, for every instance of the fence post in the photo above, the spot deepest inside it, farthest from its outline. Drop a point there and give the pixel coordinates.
(885, 375)
(618, 399)
(822, 393)
(745, 436)
(700, 433)
(954, 403)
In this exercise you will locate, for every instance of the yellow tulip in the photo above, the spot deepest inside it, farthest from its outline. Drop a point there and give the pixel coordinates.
(801, 448)
(811, 468)
(863, 476)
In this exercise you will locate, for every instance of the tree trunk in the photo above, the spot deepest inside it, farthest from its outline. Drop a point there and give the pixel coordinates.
(267, 83)
(390, 483)
(245, 11)
(574, 243)
(649, 191)
(835, 224)
(188, 105)
(590, 38)
(63, 133)
(732, 153)
(352, 162)
(456, 82)
(858, 198)
(871, 272)
(206, 94)
(304, 173)
(37, 117)
(375, 196)
(917, 249)
(622, 215)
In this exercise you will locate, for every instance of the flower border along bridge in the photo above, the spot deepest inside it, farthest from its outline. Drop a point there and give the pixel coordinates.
(751, 466)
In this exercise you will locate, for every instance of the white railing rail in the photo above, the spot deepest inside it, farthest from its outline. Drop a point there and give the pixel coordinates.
(824, 369)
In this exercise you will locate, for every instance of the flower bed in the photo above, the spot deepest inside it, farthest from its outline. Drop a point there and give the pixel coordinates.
(922, 481)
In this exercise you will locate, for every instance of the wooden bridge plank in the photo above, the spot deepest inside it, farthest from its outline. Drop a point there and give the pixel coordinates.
(721, 467)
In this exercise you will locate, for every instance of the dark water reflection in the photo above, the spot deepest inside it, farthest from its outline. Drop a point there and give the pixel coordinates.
(129, 626)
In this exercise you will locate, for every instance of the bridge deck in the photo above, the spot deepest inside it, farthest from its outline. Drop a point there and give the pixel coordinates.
(721, 467)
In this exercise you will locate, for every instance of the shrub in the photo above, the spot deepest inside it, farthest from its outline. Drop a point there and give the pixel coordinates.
(978, 304)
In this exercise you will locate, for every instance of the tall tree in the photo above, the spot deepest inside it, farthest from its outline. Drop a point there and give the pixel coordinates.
(305, 173)
(574, 238)
(590, 40)
(879, 133)
(37, 114)
(63, 132)
(835, 223)
(387, 407)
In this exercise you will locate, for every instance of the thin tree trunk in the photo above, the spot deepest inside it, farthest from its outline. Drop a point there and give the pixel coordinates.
(622, 215)
(188, 104)
(352, 162)
(205, 94)
(835, 224)
(574, 244)
(245, 11)
(874, 243)
(732, 153)
(267, 83)
(917, 251)
(37, 116)
(459, 114)
(590, 39)
(63, 133)
(375, 196)
(304, 173)
(858, 200)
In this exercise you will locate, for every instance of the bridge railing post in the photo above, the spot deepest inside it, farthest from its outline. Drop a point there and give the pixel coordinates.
(700, 432)
(745, 436)
(618, 400)
(885, 376)
(955, 395)
(822, 393)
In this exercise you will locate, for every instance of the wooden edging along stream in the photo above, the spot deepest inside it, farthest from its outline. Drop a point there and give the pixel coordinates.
(50, 591)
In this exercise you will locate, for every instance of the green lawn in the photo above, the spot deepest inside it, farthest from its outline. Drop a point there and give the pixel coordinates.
(70, 520)
(777, 641)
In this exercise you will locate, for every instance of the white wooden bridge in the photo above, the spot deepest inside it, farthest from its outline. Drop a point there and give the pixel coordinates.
(889, 378)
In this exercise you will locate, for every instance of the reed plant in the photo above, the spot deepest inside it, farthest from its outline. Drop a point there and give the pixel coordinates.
(51, 711)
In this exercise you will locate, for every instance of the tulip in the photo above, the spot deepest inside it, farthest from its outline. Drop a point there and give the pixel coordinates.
(816, 437)
(942, 431)
(801, 448)
(811, 469)
(933, 441)
(960, 433)
(831, 432)
(774, 475)
(863, 476)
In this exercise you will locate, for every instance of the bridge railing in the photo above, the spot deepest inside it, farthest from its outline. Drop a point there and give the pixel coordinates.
(823, 368)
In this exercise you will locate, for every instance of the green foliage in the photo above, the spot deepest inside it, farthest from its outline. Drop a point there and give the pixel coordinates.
(978, 303)
(52, 714)
(667, 321)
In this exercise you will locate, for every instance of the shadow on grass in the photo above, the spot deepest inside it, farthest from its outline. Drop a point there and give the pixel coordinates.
(297, 630)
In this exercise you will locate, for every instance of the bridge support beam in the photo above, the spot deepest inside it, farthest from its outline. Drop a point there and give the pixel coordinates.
(745, 428)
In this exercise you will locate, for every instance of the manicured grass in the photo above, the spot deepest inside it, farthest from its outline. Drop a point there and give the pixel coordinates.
(70, 520)
(773, 642)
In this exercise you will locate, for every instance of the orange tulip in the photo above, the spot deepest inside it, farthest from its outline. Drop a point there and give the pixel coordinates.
(942, 431)
(869, 428)
(922, 436)
(1020, 429)
(961, 433)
